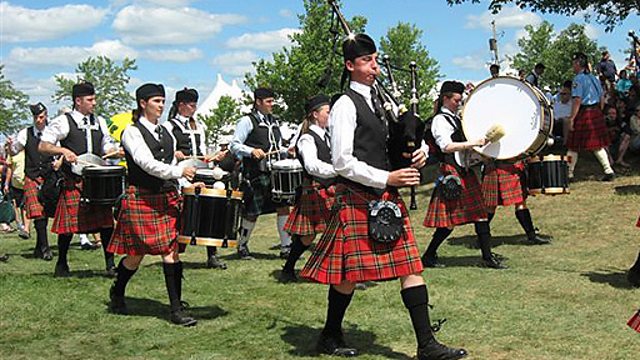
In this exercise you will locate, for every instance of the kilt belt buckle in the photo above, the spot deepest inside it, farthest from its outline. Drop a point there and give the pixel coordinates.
(385, 221)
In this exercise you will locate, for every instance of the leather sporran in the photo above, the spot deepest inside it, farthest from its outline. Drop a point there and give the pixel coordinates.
(450, 187)
(49, 191)
(385, 221)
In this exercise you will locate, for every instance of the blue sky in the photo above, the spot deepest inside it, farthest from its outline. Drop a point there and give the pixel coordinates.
(188, 42)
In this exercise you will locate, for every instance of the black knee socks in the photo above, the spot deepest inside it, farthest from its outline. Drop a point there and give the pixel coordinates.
(42, 242)
(484, 238)
(124, 275)
(439, 236)
(105, 238)
(338, 304)
(297, 249)
(524, 218)
(490, 215)
(211, 251)
(64, 240)
(172, 281)
(416, 300)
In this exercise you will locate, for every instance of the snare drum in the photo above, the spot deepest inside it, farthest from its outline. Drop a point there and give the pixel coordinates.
(210, 217)
(210, 176)
(102, 185)
(548, 175)
(522, 110)
(286, 177)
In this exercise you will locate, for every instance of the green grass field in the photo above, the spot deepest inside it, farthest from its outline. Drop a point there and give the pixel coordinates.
(569, 300)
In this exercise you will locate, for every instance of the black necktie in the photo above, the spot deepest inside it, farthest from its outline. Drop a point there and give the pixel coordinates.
(85, 121)
(327, 139)
(377, 107)
(159, 132)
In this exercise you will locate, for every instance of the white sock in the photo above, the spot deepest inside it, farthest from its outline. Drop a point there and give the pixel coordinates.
(573, 160)
(84, 239)
(245, 231)
(285, 239)
(603, 158)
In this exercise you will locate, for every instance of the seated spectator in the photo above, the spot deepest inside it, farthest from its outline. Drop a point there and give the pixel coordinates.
(562, 111)
(624, 84)
(620, 133)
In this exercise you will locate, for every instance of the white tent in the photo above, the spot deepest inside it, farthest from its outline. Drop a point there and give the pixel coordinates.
(221, 89)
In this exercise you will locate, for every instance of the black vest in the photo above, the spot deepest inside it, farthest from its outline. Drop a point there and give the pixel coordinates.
(162, 151)
(324, 155)
(76, 140)
(457, 136)
(370, 138)
(183, 140)
(258, 138)
(34, 162)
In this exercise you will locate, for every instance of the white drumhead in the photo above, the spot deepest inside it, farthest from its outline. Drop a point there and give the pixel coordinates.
(191, 162)
(287, 164)
(509, 102)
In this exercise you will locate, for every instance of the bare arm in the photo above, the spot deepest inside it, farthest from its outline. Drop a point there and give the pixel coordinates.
(50, 149)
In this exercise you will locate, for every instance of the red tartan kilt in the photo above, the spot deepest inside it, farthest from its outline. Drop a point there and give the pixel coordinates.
(638, 223)
(74, 217)
(345, 252)
(311, 211)
(34, 209)
(147, 224)
(589, 131)
(501, 185)
(467, 209)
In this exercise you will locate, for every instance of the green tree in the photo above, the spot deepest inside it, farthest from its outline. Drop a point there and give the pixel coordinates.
(294, 72)
(607, 12)
(554, 50)
(226, 112)
(402, 44)
(110, 80)
(14, 110)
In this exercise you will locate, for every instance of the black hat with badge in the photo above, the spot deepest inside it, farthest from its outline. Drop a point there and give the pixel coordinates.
(358, 45)
(452, 87)
(149, 90)
(187, 95)
(316, 102)
(37, 109)
(263, 93)
(84, 88)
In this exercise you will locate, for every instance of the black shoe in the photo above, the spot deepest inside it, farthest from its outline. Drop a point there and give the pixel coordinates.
(4, 258)
(431, 261)
(437, 351)
(493, 263)
(334, 346)
(117, 304)
(214, 263)
(633, 276)
(23, 234)
(539, 240)
(110, 272)
(37, 253)
(608, 177)
(287, 276)
(47, 255)
(284, 252)
(244, 253)
(179, 318)
(62, 270)
(88, 246)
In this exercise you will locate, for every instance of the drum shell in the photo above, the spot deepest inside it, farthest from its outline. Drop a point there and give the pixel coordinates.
(210, 217)
(102, 185)
(286, 177)
(548, 175)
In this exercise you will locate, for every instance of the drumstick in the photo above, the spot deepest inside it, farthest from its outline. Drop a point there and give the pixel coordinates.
(116, 152)
(494, 134)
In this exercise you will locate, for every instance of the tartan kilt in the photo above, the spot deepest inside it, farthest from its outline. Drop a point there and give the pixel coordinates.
(502, 185)
(467, 209)
(147, 223)
(33, 208)
(638, 222)
(312, 210)
(257, 196)
(345, 252)
(589, 131)
(74, 217)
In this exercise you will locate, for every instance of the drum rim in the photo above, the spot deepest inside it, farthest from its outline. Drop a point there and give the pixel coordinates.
(535, 91)
(90, 168)
(298, 165)
(553, 157)
(186, 239)
(216, 193)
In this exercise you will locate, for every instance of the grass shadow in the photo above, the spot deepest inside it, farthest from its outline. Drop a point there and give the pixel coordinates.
(299, 337)
(153, 308)
(256, 255)
(627, 190)
(80, 274)
(459, 261)
(471, 241)
(615, 278)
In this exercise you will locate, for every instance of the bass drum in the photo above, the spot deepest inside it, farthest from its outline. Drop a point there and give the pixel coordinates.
(522, 110)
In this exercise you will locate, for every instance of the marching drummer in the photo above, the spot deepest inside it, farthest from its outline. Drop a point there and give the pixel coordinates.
(457, 199)
(257, 140)
(190, 137)
(78, 132)
(149, 212)
(313, 205)
(587, 126)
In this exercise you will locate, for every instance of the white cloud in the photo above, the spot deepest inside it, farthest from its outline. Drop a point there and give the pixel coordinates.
(235, 63)
(469, 62)
(266, 41)
(285, 13)
(591, 31)
(68, 55)
(164, 3)
(24, 24)
(173, 55)
(155, 25)
(509, 17)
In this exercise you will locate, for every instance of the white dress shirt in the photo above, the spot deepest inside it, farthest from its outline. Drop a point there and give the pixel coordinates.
(562, 110)
(442, 131)
(58, 130)
(21, 139)
(185, 127)
(244, 127)
(134, 144)
(309, 153)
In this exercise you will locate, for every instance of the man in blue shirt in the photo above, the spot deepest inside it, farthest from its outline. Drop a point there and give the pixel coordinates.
(587, 126)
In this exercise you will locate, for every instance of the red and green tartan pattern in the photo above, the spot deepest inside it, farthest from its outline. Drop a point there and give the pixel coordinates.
(468, 208)
(345, 252)
(34, 209)
(312, 210)
(634, 322)
(74, 217)
(589, 131)
(147, 224)
(638, 222)
(502, 185)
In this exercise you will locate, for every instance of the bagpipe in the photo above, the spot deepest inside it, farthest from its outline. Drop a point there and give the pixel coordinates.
(406, 129)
